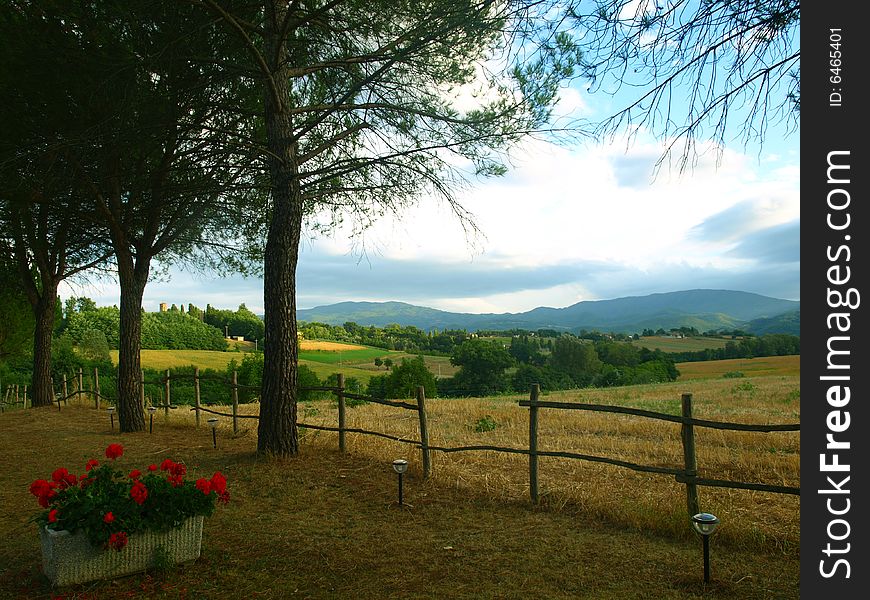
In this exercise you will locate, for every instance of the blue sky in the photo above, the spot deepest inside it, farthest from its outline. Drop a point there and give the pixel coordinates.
(566, 224)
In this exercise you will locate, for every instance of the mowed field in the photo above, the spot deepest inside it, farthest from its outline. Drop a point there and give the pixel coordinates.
(750, 367)
(686, 344)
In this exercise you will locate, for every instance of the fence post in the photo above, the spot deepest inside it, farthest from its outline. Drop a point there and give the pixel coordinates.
(81, 386)
(24, 397)
(65, 392)
(689, 459)
(533, 442)
(166, 393)
(424, 432)
(97, 388)
(235, 401)
(341, 414)
(142, 387)
(16, 395)
(196, 393)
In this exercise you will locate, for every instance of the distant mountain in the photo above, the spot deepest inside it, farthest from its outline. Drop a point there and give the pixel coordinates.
(789, 322)
(702, 309)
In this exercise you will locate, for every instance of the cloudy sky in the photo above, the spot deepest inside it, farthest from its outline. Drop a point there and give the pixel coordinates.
(588, 222)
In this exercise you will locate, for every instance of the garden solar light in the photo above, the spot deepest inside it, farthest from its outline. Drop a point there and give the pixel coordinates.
(705, 524)
(151, 411)
(400, 465)
(213, 424)
(111, 411)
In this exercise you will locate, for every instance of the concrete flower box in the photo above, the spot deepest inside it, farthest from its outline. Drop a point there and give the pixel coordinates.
(69, 559)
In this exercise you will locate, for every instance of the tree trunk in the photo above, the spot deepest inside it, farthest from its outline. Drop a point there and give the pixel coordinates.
(277, 434)
(131, 414)
(43, 394)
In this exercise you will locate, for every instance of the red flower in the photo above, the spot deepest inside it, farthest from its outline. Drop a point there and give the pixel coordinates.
(40, 487)
(71, 479)
(118, 540)
(135, 474)
(108, 517)
(113, 451)
(166, 465)
(174, 480)
(52, 515)
(44, 491)
(91, 464)
(59, 475)
(219, 482)
(178, 469)
(203, 485)
(139, 492)
(152, 467)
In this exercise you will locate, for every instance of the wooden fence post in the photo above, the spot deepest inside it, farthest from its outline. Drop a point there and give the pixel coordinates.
(16, 395)
(196, 393)
(65, 392)
(166, 393)
(235, 401)
(424, 432)
(142, 388)
(81, 386)
(342, 423)
(689, 459)
(97, 388)
(533, 442)
(24, 397)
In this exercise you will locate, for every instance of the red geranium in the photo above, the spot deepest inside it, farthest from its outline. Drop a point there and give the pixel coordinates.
(118, 502)
(204, 486)
(118, 540)
(219, 482)
(139, 492)
(114, 451)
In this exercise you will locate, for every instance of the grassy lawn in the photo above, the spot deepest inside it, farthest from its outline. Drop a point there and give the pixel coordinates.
(326, 525)
(766, 365)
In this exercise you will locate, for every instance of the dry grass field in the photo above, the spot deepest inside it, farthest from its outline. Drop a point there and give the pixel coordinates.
(325, 525)
(750, 367)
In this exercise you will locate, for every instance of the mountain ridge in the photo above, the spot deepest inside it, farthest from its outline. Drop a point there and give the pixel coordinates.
(703, 309)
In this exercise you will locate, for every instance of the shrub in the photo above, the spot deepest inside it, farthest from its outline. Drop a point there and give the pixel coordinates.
(485, 424)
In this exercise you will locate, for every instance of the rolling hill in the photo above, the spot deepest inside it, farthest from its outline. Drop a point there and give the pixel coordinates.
(702, 309)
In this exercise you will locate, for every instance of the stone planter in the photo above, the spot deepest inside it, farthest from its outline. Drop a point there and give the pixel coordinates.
(69, 559)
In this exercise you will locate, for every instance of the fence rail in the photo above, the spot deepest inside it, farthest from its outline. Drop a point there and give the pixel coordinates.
(687, 474)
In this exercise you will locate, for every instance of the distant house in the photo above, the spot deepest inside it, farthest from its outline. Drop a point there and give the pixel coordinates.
(164, 307)
(238, 338)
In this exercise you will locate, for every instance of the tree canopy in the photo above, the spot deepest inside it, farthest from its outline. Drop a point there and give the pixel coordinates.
(690, 71)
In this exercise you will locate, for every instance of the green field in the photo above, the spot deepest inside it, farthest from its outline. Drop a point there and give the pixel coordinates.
(353, 357)
(687, 344)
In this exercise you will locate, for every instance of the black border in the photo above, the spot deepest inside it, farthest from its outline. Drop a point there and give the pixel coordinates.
(826, 128)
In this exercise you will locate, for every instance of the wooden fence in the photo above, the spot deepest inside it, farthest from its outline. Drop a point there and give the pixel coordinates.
(686, 474)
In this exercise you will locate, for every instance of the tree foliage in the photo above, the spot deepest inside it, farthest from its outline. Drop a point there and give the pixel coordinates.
(361, 114)
(403, 380)
(692, 70)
